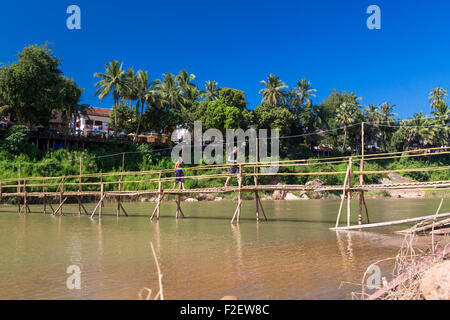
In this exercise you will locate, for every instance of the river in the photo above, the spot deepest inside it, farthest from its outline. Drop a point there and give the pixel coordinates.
(292, 256)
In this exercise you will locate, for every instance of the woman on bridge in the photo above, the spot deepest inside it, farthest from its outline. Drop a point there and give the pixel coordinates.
(233, 169)
(179, 175)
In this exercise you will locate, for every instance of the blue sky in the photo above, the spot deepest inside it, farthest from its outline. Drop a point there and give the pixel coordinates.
(238, 43)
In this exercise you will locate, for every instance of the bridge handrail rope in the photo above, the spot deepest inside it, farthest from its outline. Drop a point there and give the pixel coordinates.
(283, 163)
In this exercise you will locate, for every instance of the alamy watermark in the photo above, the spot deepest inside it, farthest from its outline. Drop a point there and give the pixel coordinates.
(208, 147)
(73, 22)
(73, 282)
(374, 20)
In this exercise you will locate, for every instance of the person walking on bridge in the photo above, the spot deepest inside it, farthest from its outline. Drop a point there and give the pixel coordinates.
(179, 175)
(232, 158)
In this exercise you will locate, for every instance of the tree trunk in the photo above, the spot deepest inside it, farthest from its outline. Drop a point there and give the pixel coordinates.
(140, 118)
(116, 98)
(345, 138)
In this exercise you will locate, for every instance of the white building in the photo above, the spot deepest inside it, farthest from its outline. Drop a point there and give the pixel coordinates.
(96, 119)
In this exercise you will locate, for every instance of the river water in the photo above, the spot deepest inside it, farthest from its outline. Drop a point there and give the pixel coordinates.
(292, 256)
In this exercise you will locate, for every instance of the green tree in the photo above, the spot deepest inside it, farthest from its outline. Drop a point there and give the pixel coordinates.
(114, 80)
(269, 117)
(437, 97)
(211, 92)
(385, 118)
(32, 88)
(17, 140)
(304, 91)
(123, 116)
(347, 114)
(273, 92)
(184, 80)
(143, 94)
(227, 112)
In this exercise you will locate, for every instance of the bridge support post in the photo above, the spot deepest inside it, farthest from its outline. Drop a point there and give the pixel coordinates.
(361, 176)
(344, 193)
(158, 202)
(179, 211)
(349, 192)
(237, 213)
(102, 190)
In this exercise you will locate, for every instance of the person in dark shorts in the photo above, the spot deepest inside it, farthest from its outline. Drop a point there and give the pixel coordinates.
(179, 175)
(233, 169)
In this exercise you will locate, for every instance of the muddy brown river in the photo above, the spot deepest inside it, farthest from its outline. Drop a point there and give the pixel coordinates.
(292, 256)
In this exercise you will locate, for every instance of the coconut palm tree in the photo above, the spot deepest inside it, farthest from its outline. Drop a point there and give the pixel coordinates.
(304, 91)
(143, 94)
(184, 79)
(385, 118)
(114, 80)
(437, 97)
(169, 91)
(211, 91)
(273, 92)
(346, 115)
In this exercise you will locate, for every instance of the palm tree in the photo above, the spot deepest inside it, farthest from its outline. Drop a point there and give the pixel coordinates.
(442, 114)
(211, 92)
(304, 91)
(273, 92)
(420, 130)
(143, 93)
(184, 79)
(113, 80)
(169, 90)
(346, 115)
(385, 117)
(437, 97)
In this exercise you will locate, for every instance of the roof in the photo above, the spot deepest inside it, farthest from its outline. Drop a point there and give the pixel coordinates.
(99, 112)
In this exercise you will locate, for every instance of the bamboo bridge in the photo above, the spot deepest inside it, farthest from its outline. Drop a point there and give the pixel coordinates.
(119, 185)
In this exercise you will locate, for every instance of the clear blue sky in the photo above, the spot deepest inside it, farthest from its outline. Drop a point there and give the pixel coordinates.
(238, 43)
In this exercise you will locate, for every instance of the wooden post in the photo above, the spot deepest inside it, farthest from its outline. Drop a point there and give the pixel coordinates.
(179, 211)
(18, 188)
(102, 190)
(361, 176)
(343, 196)
(158, 205)
(45, 196)
(349, 192)
(118, 198)
(255, 177)
(237, 213)
(25, 206)
(61, 196)
(79, 187)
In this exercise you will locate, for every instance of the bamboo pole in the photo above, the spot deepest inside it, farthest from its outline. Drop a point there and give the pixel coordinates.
(349, 192)
(179, 211)
(98, 205)
(61, 195)
(158, 205)
(18, 189)
(102, 196)
(361, 176)
(256, 171)
(25, 205)
(391, 223)
(45, 197)
(240, 193)
(343, 196)
(60, 207)
(118, 198)
(79, 186)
